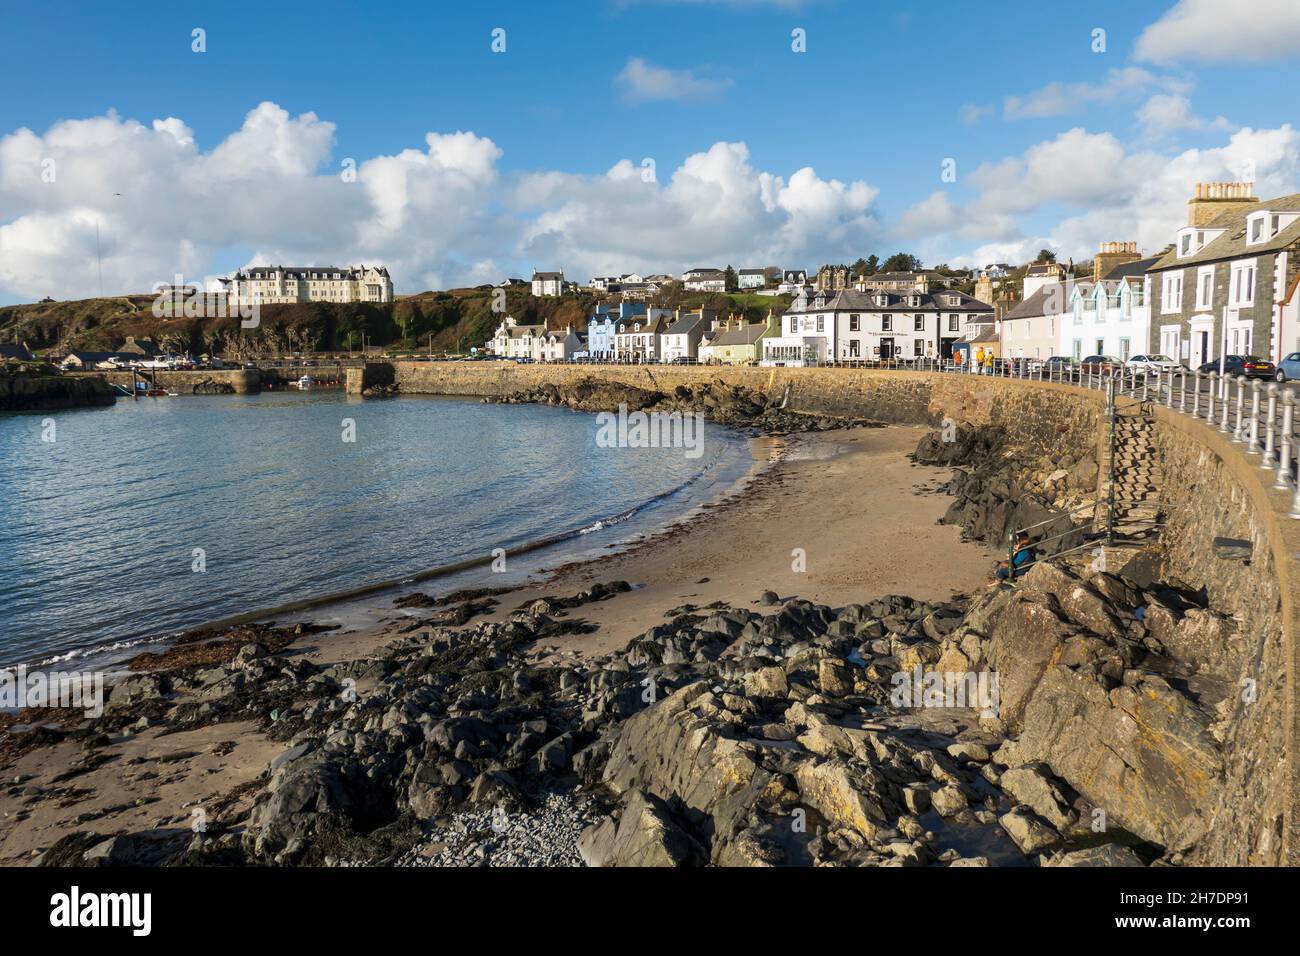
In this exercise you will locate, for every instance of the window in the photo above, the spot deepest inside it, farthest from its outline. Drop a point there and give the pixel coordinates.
(886, 323)
(1171, 299)
(918, 323)
(918, 347)
(1205, 288)
(952, 322)
(854, 322)
(821, 323)
(1185, 244)
(1242, 292)
(1256, 230)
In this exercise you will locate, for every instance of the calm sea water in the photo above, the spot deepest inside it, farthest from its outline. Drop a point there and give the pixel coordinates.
(98, 529)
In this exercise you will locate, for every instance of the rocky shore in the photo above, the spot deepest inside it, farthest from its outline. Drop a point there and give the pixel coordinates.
(731, 405)
(763, 735)
(38, 386)
(1073, 719)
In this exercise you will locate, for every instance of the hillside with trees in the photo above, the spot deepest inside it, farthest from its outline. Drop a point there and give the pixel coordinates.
(450, 321)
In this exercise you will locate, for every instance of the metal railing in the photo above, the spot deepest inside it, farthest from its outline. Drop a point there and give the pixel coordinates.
(1258, 416)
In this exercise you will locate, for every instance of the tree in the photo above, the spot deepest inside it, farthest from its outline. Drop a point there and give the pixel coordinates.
(1046, 255)
(901, 262)
(729, 279)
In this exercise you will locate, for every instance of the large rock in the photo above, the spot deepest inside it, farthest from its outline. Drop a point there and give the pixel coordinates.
(1031, 787)
(305, 796)
(1028, 832)
(1110, 854)
(1143, 754)
(845, 798)
(672, 752)
(645, 835)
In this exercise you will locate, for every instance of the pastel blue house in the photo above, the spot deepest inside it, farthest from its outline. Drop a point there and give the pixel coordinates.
(600, 328)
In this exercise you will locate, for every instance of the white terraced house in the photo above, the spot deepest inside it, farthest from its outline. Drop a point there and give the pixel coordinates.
(639, 338)
(536, 342)
(270, 285)
(850, 326)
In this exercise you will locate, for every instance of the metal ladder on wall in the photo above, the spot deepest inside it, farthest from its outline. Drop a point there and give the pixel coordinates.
(1126, 510)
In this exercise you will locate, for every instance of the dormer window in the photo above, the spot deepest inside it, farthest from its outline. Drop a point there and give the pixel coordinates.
(1185, 244)
(1265, 225)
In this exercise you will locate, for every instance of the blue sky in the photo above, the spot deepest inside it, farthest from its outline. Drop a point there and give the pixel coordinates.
(1038, 124)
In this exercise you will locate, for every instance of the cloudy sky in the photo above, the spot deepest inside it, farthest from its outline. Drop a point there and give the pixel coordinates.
(620, 135)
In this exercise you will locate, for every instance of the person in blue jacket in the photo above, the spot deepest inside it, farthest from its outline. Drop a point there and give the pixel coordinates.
(1020, 559)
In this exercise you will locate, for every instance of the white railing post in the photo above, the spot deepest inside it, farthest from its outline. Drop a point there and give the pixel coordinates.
(1225, 425)
(1182, 388)
(1284, 442)
(1252, 446)
(1238, 433)
(1270, 426)
(1209, 397)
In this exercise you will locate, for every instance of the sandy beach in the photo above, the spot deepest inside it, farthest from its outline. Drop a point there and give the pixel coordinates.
(841, 517)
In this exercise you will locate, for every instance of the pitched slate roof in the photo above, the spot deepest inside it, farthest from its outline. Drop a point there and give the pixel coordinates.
(1132, 270)
(745, 335)
(658, 324)
(851, 300)
(1232, 244)
(1036, 305)
(689, 322)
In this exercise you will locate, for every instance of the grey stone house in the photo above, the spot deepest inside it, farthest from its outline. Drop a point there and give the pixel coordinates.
(1227, 285)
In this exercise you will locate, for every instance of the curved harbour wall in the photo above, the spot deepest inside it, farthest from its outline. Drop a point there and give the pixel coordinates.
(1212, 490)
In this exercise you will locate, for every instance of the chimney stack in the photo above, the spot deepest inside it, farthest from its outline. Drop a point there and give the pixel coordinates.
(1112, 254)
(1214, 199)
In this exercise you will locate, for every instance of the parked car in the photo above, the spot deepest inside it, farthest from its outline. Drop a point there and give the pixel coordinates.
(1100, 365)
(1289, 367)
(1153, 363)
(1059, 363)
(1252, 366)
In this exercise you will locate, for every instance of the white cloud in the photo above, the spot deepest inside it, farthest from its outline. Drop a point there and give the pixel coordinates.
(1058, 99)
(1095, 190)
(643, 82)
(1207, 30)
(437, 217)
(936, 213)
(972, 113)
(1171, 113)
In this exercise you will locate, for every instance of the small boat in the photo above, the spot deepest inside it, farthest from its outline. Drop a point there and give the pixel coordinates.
(306, 382)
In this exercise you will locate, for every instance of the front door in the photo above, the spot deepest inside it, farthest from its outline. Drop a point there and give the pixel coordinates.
(886, 349)
(1200, 347)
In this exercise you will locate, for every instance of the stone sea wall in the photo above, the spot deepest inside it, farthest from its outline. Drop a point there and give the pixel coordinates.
(1210, 491)
(196, 382)
(22, 393)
